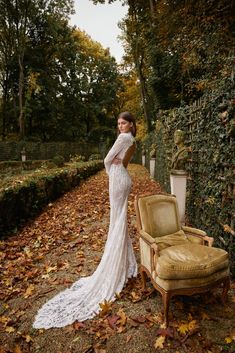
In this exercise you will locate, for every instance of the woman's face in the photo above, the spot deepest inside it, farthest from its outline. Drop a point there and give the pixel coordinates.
(124, 126)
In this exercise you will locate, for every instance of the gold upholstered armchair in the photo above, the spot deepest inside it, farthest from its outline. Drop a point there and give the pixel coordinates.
(179, 260)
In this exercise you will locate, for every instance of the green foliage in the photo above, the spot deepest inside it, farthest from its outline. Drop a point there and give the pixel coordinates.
(58, 160)
(210, 187)
(77, 158)
(179, 49)
(27, 196)
(94, 157)
(57, 82)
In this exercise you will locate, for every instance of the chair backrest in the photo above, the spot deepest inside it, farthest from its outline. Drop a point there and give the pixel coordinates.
(159, 214)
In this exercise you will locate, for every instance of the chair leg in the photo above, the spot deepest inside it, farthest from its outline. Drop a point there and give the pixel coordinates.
(143, 278)
(166, 303)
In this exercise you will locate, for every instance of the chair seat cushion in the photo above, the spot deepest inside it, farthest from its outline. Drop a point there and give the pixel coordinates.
(190, 261)
(178, 238)
(179, 284)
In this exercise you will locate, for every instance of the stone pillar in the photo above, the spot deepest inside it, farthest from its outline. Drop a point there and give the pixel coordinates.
(178, 181)
(152, 167)
(143, 159)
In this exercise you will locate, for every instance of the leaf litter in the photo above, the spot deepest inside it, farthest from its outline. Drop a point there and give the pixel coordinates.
(65, 242)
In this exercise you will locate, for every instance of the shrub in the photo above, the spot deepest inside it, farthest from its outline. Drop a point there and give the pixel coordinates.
(95, 156)
(58, 160)
(77, 158)
(23, 200)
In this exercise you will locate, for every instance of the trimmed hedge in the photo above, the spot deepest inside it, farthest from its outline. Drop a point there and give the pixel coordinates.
(22, 201)
(16, 166)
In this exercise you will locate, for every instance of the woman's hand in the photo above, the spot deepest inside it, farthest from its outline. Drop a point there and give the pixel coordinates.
(116, 161)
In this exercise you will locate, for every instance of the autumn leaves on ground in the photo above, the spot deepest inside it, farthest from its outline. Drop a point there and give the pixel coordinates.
(66, 242)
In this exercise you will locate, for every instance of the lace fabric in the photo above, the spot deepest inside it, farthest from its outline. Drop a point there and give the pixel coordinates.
(81, 301)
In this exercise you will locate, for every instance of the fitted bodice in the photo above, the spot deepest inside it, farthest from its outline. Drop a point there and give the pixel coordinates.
(121, 145)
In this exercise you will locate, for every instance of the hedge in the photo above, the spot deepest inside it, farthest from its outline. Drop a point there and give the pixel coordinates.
(26, 199)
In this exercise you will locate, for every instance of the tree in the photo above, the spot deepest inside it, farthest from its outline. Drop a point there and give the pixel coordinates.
(183, 48)
(6, 55)
(21, 18)
(99, 81)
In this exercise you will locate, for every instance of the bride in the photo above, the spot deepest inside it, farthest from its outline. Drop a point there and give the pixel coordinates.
(81, 301)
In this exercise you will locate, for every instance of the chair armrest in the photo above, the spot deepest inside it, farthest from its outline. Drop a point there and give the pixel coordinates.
(145, 236)
(153, 247)
(198, 233)
(154, 257)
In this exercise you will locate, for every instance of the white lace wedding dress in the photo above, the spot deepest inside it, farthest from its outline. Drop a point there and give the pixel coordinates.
(118, 263)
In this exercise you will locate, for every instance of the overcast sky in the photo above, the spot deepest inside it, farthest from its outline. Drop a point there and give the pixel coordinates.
(100, 22)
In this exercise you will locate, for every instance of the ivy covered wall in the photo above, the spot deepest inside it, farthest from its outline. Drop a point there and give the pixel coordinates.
(210, 134)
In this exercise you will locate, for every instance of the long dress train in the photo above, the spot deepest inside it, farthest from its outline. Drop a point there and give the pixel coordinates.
(81, 301)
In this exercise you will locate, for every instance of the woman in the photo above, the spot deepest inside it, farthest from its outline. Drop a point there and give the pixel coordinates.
(81, 301)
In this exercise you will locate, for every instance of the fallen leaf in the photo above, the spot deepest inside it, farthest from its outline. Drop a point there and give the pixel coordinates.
(4, 319)
(166, 332)
(51, 269)
(112, 320)
(135, 297)
(186, 327)
(123, 318)
(28, 338)
(205, 316)
(10, 329)
(100, 350)
(17, 349)
(105, 307)
(183, 328)
(121, 329)
(159, 342)
(2, 350)
(139, 319)
(77, 325)
(29, 291)
(155, 318)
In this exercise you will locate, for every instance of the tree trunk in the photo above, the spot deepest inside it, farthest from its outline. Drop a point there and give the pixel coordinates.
(143, 92)
(21, 108)
(138, 64)
(4, 107)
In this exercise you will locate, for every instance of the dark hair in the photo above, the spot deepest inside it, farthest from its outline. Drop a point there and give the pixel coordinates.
(131, 119)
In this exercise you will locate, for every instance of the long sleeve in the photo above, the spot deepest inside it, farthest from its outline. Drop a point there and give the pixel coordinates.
(118, 146)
